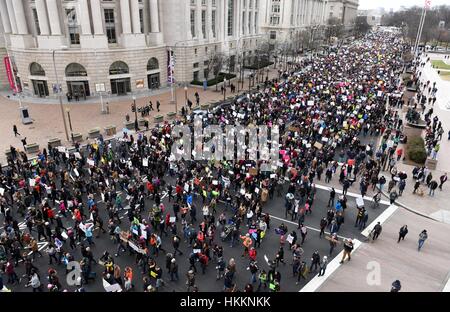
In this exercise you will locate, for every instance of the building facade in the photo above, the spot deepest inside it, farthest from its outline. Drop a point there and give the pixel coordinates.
(94, 46)
(285, 20)
(88, 47)
(344, 10)
(199, 30)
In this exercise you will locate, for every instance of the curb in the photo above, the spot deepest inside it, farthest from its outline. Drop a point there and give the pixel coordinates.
(409, 208)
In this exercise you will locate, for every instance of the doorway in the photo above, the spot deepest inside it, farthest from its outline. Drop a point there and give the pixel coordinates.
(153, 81)
(79, 88)
(120, 86)
(40, 88)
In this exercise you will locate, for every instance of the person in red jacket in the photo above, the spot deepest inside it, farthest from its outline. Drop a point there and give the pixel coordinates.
(252, 254)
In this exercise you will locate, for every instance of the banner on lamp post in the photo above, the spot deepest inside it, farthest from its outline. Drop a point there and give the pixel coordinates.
(9, 73)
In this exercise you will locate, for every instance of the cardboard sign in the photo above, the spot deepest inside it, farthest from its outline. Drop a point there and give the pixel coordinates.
(253, 171)
(91, 162)
(77, 155)
(145, 162)
(318, 145)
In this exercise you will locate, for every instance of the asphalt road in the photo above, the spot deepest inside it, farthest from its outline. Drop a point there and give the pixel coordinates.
(207, 282)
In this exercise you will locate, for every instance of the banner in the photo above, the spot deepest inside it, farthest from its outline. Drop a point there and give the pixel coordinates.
(9, 73)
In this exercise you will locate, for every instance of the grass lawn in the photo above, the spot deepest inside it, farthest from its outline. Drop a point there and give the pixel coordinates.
(440, 65)
(445, 75)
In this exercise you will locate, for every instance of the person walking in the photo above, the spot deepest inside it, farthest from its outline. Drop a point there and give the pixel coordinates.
(402, 233)
(323, 225)
(396, 286)
(315, 261)
(433, 186)
(323, 266)
(16, 133)
(348, 248)
(376, 231)
(442, 179)
(331, 199)
(423, 236)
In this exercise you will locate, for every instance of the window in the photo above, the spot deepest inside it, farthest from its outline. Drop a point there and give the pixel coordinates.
(256, 22)
(118, 68)
(141, 19)
(193, 23)
(250, 4)
(245, 4)
(256, 4)
(110, 25)
(243, 22)
(72, 24)
(230, 17)
(36, 70)
(274, 20)
(213, 3)
(273, 35)
(205, 73)
(204, 23)
(206, 50)
(195, 65)
(36, 22)
(196, 76)
(213, 23)
(193, 2)
(75, 70)
(203, 2)
(275, 8)
(195, 51)
(249, 21)
(153, 64)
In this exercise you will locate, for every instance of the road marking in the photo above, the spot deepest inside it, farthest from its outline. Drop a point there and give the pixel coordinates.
(381, 218)
(328, 188)
(308, 227)
(316, 282)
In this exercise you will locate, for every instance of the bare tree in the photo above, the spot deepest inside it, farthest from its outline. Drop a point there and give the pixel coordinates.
(215, 64)
(335, 28)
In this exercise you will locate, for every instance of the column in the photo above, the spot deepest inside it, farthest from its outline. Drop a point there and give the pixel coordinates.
(41, 10)
(53, 13)
(198, 20)
(19, 13)
(85, 21)
(135, 17)
(125, 16)
(154, 15)
(5, 17)
(96, 11)
(209, 33)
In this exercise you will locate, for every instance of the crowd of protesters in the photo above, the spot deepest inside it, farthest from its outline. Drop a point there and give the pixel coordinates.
(324, 108)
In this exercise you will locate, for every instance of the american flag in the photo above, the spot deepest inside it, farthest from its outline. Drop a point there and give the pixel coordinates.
(427, 4)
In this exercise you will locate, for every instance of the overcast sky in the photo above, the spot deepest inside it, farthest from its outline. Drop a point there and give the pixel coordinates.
(396, 4)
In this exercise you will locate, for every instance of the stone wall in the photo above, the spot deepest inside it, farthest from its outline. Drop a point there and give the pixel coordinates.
(96, 64)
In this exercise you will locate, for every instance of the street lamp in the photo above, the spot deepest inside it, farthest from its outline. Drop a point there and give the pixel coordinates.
(224, 88)
(59, 89)
(70, 122)
(136, 125)
(185, 95)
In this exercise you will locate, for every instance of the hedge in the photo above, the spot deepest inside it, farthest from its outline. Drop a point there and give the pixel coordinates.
(214, 81)
(261, 65)
(416, 150)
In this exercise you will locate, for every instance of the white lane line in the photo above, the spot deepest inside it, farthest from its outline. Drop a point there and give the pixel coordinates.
(447, 285)
(381, 218)
(308, 227)
(315, 283)
(328, 188)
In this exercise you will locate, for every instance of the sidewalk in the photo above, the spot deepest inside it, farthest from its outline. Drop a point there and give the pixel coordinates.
(374, 266)
(48, 121)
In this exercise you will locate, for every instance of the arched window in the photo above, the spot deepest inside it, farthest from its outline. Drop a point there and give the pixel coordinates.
(36, 70)
(75, 70)
(152, 64)
(118, 68)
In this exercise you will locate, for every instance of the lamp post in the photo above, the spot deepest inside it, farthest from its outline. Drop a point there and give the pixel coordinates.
(59, 89)
(70, 122)
(224, 88)
(185, 95)
(136, 125)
